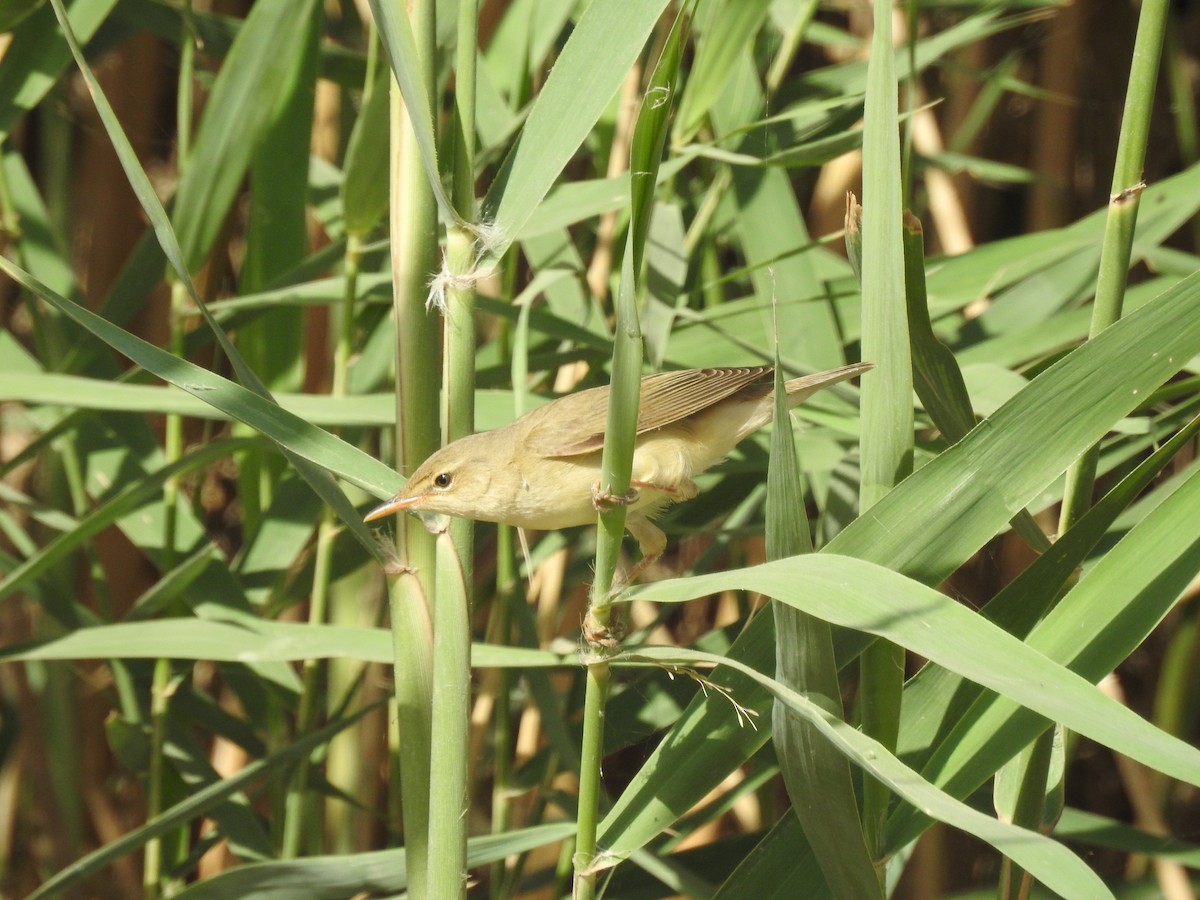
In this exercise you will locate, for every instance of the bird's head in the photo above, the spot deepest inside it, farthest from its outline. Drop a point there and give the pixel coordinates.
(454, 481)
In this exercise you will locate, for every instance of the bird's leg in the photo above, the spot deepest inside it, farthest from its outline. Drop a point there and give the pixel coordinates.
(605, 501)
(652, 542)
(650, 539)
(684, 490)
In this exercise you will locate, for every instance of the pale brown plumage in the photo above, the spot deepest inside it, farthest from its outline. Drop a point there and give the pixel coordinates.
(542, 471)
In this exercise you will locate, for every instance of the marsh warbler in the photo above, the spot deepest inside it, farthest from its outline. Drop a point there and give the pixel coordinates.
(543, 470)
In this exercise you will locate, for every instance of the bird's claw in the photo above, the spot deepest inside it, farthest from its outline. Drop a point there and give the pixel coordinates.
(606, 501)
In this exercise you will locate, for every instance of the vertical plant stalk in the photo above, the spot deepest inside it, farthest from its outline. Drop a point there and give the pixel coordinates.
(160, 685)
(1124, 198)
(448, 794)
(277, 237)
(615, 467)
(365, 168)
(887, 412)
(501, 621)
(172, 451)
(500, 632)
(1115, 254)
(414, 252)
(448, 813)
(300, 808)
(616, 463)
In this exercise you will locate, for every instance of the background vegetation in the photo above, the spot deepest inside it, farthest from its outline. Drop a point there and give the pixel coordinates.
(198, 336)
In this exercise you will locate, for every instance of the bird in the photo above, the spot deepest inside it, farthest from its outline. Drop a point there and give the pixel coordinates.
(542, 471)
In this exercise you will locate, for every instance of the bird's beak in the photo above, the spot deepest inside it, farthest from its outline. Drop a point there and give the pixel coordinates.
(397, 504)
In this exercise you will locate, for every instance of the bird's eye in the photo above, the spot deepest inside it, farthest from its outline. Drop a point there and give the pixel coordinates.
(443, 479)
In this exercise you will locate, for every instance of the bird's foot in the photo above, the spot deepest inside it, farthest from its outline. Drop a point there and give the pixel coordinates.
(606, 501)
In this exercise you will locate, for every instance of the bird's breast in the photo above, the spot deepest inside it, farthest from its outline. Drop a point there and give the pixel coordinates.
(553, 492)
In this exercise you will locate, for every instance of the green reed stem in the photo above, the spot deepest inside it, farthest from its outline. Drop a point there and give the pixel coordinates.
(414, 229)
(1115, 254)
(173, 449)
(1125, 195)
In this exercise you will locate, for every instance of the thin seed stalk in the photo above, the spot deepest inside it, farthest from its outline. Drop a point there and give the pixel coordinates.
(160, 686)
(152, 860)
(500, 629)
(173, 450)
(299, 808)
(500, 626)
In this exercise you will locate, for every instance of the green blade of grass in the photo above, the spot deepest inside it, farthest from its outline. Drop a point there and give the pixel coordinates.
(887, 413)
(377, 872)
(1097, 624)
(934, 521)
(597, 56)
(817, 776)
(936, 697)
(859, 595)
(290, 432)
(1053, 863)
(241, 637)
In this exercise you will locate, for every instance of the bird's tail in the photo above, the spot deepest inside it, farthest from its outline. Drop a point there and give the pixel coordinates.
(800, 389)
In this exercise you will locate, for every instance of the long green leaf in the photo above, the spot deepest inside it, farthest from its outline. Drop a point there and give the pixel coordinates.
(338, 877)
(1053, 864)
(605, 42)
(817, 776)
(934, 521)
(1095, 626)
(290, 432)
(249, 639)
(935, 698)
(74, 392)
(865, 597)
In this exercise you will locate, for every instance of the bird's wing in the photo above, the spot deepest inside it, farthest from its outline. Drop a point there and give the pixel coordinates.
(580, 421)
